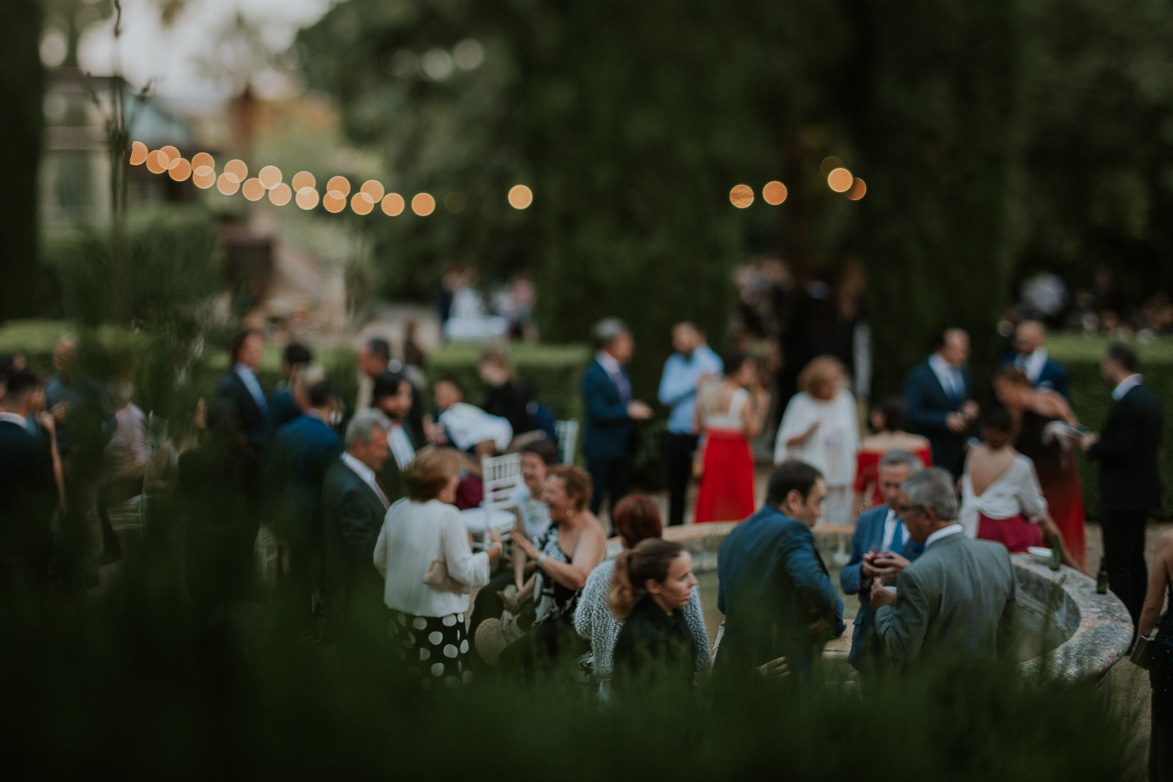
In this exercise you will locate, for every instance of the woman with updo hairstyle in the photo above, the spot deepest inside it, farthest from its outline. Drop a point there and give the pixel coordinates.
(424, 555)
(636, 518)
(651, 584)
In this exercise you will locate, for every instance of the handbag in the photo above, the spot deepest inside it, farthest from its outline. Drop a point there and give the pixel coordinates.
(437, 577)
(1142, 652)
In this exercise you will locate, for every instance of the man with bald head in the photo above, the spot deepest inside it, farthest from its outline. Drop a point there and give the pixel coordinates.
(1031, 357)
(938, 399)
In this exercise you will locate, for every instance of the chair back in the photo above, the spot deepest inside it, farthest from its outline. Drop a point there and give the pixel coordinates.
(567, 431)
(500, 475)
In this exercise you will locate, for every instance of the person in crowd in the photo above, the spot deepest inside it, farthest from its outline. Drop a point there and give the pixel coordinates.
(28, 489)
(85, 423)
(9, 363)
(353, 509)
(282, 407)
(881, 548)
(1161, 667)
(887, 422)
(467, 427)
(1030, 357)
(774, 589)
(650, 586)
(428, 566)
(1001, 499)
(571, 548)
(637, 518)
(957, 599)
(392, 396)
(218, 512)
(126, 457)
(1130, 487)
(730, 414)
(1042, 424)
(821, 427)
(241, 388)
(938, 399)
(506, 397)
(374, 358)
(302, 452)
(610, 410)
(691, 361)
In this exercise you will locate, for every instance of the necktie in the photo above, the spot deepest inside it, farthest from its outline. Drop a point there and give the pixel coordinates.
(897, 546)
(624, 387)
(382, 492)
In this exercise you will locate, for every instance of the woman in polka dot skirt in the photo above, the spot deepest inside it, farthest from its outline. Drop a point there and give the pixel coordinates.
(421, 532)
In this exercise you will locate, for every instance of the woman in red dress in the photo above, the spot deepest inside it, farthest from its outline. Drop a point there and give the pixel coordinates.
(729, 415)
(887, 420)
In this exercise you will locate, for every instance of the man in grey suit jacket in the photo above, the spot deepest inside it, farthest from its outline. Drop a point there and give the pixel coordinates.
(958, 597)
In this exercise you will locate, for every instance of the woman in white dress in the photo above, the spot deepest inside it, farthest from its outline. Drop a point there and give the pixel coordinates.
(821, 427)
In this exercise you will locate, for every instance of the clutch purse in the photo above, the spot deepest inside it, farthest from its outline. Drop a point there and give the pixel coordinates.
(1142, 652)
(437, 577)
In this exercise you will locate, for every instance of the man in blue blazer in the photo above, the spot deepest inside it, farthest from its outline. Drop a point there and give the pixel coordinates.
(937, 399)
(774, 590)
(240, 388)
(610, 410)
(1031, 357)
(880, 549)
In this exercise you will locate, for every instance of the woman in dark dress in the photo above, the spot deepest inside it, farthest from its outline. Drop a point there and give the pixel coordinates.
(649, 588)
(1161, 668)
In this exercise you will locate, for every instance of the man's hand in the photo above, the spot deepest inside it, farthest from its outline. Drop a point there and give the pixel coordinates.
(955, 422)
(887, 566)
(60, 411)
(775, 669)
(882, 597)
(867, 567)
(1088, 440)
(47, 422)
(970, 410)
(638, 411)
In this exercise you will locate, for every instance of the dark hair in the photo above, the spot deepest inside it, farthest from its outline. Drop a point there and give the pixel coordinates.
(238, 341)
(636, 518)
(7, 364)
(791, 475)
(320, 393)
(1124, 355)
(733, 361)
(21, 382)
(577, 481)
(634, 568)
(387, 384)
(543, 449)
(1012, 374)
(892, 409)
(999, 420)
(429, 472)
(296, 353)
(377, 346)
(452, 381)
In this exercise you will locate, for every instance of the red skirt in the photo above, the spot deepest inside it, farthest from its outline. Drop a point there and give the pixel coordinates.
(1016, 533)
(726, 488)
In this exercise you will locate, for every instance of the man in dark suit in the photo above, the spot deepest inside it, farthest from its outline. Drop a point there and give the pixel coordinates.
(1031, 357)
(1129, 485)
(610, 409)
(354, 506)
(240, 388)
(392, 395)
(937, 398)
(881, 549)
(956, 602)
(774, 590)
(28, 491)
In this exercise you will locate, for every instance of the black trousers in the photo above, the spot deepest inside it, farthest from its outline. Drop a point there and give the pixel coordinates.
(608, 476)
(678, 451)
(1128, 576)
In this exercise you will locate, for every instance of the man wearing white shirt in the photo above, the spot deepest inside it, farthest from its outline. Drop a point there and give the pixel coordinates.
(240, 388)
(937, 399)
(957, 600)
(1030, 355)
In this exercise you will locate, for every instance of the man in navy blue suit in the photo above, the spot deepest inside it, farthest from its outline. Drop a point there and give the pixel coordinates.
(240, 388)
(1130, 486)
(610, 409)
(880, 549)
(1031, 357)
(774, 590)
(937, 399)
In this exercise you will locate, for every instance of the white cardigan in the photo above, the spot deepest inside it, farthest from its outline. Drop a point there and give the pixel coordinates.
(414, 534)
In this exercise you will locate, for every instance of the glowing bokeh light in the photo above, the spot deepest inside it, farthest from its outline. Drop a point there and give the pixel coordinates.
(252, 189)
(774, 193)
(361, 204)
(333, 202)
(741, 196)
(172, 155)
(204, 177)
(236, 169)
(201, 159)
(520, 197)
(423, 204)
(180, 170)
(269, 176)
(307, 198)
(280, 194)
(393, 204)
(227, 184)
(374, 189)
(829, 164)
(138, 153)
(157, 162)
(339, 185)
(859, 188)
(302, 180)
(840, 180)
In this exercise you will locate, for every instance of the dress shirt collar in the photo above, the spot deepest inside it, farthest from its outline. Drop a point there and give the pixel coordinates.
(952, 529)
(1033, 363)
(608, 362)
(1126, 385)
(948, 375)
(13, 418)
(364, 472)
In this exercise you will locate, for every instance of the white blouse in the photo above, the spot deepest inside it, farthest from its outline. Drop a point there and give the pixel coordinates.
(413, 535)
(832, 446)
(1015, 491)
(729, 420)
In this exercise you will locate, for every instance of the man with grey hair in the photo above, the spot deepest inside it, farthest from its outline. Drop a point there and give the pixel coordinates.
(353, 508)
(881, 549)
(958, 597)
(610, 409)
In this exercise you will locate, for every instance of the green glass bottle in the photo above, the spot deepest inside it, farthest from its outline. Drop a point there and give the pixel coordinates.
(1102, 578)
(1056, 562)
